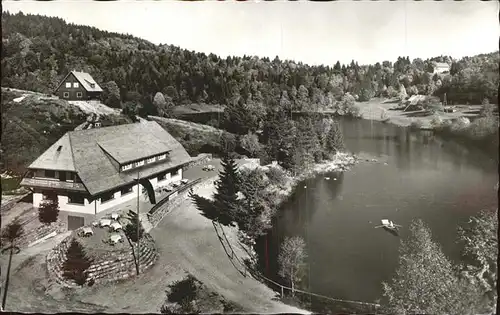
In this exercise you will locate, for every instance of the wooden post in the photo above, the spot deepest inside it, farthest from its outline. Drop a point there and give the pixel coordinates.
(282, 293)
(138, 225)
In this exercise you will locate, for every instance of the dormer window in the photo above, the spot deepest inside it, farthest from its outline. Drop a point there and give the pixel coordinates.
(92, 85)
(162, 156)
(139, 163)
(126, 167)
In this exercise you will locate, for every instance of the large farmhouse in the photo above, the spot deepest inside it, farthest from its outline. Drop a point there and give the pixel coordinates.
(94, 170)
(78, 86)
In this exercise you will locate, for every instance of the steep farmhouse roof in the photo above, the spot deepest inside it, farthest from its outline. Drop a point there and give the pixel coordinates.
(85, 79)
(58, 157)
(95, 154)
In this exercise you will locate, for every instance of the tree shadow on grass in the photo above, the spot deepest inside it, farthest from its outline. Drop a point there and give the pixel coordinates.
(208, 209)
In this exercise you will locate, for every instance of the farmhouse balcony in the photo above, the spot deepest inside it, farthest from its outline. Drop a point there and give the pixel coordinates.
(56, 184)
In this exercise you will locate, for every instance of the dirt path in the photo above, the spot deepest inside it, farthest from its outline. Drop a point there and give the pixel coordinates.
(187, 243)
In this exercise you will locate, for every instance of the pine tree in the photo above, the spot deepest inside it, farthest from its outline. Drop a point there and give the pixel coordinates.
(335, 139)
(76, 264)
(131, 227)
(307, 142)
(226, 199)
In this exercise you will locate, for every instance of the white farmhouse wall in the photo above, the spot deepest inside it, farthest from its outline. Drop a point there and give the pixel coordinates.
(92, 208)
(119, 199)
(87, 208)
(177, 176)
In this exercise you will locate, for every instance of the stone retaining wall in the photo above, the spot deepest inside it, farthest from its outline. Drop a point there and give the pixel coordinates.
(175, 201)
(108, 266)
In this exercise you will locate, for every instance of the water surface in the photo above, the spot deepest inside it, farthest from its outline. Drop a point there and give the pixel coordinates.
(417, 176)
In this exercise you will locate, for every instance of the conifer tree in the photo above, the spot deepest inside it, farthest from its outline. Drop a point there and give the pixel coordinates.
(131, 227)
(335, 139)
(76, 264)
(226, 199)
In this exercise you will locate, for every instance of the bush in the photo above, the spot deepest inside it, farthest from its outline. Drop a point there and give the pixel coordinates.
(48, 211)
(277, 176)
(183, 293)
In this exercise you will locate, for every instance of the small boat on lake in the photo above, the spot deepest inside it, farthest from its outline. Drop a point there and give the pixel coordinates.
(387, 224)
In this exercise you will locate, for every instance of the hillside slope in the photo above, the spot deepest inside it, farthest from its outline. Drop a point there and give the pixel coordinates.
(31, 122)
(196, 138)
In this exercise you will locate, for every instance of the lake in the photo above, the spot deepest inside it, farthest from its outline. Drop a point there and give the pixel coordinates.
(417, 175)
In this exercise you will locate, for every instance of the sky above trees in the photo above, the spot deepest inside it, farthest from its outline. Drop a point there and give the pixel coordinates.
(314, 33)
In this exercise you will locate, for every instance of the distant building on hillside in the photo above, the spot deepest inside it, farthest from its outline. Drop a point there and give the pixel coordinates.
(441, 67)
(94, 171)
(78, 86)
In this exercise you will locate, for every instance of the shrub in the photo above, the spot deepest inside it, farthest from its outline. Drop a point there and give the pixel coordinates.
(48, 211)
(276, 175)
(183, 293)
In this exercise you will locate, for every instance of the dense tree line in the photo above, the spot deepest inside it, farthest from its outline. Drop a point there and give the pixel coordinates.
(38, 51)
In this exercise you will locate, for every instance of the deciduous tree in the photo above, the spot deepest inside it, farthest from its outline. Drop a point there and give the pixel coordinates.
(291, 260)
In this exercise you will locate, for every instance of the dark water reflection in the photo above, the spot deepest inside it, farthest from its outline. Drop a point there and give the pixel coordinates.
(443, 183)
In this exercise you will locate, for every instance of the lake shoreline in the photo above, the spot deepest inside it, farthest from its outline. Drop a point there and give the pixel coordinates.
(341, 162)
(375, 109)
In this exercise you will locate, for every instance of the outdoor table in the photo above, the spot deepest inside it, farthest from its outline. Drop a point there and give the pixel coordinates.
(105, 222)
(115, 238)
(87, 231)
(116, 226)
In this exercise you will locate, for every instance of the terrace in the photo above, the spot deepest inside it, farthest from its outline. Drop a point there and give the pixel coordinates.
(48, 183)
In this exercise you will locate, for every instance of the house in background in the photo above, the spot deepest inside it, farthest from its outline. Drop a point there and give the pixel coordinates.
(441, 67)
(78, 86)
(94, 170)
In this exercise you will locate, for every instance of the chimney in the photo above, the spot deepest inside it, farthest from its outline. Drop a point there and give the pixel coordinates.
(59, 148)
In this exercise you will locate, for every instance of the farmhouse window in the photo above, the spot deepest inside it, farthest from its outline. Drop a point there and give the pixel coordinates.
(50, 174)
(139, 163)
(76, 199)
(79, 94)
(126, 167)
(162, 157)
(75, 84)
(68, 85)
(151, 160)
(161, 177)
(107, 197)
(126, 190)
(66, 94)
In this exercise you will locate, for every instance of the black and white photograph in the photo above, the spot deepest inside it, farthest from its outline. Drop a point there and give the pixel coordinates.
(250, 157)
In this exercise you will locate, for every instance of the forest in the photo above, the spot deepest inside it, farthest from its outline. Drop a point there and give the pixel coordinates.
(38, 51)
(258, 93)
